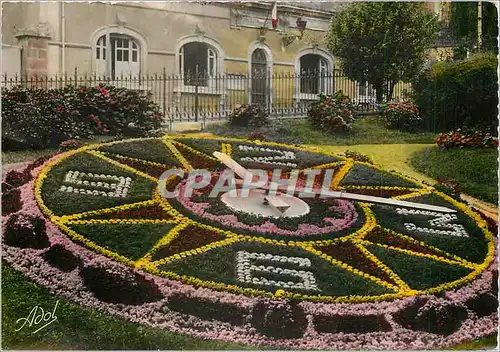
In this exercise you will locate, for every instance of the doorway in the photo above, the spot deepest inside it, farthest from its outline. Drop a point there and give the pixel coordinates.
(259, 79)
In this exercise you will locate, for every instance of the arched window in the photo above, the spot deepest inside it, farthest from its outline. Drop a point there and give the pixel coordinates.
(197, 63)
(121, 55)
(260, 70)
(259, 77)
(313, 74)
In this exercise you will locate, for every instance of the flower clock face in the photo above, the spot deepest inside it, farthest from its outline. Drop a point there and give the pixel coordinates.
(339, 274)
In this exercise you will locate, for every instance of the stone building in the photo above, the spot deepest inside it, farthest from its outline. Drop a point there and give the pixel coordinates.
(137, 42)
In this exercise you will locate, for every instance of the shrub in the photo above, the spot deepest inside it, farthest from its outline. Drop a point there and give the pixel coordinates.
(38, 118)
(332, 113)
(70, 144)
(206, 309)
(466, 139)
(15, 178)
(109, 284)
(459, 94)
(442, 319)
(350, 323)
(279, 319)
(11, 201)
(251, 115)
(403, 116)
(449, 187)
(26, 231)
(62, 258)
(256, 135)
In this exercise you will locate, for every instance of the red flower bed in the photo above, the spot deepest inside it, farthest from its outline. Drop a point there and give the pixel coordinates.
(466, 139)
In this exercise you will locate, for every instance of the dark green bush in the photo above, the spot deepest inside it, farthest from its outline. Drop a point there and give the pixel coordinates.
(251, 115)
(459, 94)
(39, 118)
(332, 113)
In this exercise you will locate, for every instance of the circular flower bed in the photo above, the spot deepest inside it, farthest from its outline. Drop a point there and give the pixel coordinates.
(91, 226)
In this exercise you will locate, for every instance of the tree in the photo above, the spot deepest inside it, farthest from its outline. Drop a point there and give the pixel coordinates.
(382, 42)
(464, 23)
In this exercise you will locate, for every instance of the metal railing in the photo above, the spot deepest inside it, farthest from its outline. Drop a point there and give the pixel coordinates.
(204, 97)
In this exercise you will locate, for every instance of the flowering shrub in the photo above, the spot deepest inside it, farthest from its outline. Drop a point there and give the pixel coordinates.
(24, 231)
(256, 135)
(449, 187)
(11, 201)
(403, 116)
(15, 178)
(249, 115)
(332, 113)
(70, 144)
(466, 139)
(37, 118)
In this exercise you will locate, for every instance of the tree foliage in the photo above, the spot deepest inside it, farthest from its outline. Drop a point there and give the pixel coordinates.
(464, 24)
(382, 42)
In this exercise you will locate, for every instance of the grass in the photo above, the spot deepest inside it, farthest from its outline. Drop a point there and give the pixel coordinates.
(80, 328)
(11, 157)
(390, 156)
(488, 342)
(369, 130)
(475, 170)
(25, 155)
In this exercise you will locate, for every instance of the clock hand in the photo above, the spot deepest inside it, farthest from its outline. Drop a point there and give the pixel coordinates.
(242, 172)
(395, 202)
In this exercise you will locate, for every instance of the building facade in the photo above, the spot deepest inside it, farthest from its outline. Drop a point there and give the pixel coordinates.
(220, 51)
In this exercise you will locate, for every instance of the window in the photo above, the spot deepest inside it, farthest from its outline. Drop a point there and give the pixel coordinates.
(313, 74)
(123, 56)
(101, 48)
(197, 63)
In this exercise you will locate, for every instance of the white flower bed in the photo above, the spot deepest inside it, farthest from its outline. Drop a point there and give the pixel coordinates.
(440, 220)
(246, 271)
(105, 189)
(279, 159)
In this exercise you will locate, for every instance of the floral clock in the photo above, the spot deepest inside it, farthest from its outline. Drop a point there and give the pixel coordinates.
(91, 225)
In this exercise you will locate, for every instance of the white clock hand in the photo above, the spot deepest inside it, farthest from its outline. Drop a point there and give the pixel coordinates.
(242, 172)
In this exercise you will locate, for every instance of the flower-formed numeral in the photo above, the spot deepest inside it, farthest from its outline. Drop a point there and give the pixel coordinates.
(95, 184)
(248, 271)
(269, 156)
(440, 220)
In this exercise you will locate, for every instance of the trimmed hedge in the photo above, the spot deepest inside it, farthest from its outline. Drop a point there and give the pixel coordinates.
(459, 94)
(40, 118)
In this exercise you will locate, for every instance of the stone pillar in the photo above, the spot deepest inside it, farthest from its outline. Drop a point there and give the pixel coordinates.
(34, 54)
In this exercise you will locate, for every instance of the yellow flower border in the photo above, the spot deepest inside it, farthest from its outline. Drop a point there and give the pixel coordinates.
(144, 263)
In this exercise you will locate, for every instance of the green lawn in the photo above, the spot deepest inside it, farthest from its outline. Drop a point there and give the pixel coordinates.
(11, 157)
(24, 155)
(80, 328)
(368, 130)
(475, 170)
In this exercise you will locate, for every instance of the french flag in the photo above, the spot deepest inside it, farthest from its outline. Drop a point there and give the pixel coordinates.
(274, 15)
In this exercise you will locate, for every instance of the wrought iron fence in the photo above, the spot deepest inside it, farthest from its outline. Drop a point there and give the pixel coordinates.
(214, 97)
